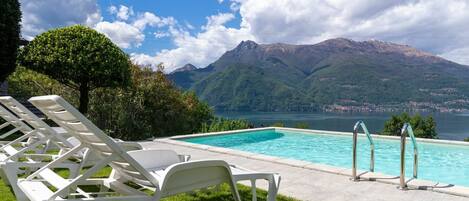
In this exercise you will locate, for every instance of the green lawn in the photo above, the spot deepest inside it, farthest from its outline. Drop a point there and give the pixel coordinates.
(210, 194)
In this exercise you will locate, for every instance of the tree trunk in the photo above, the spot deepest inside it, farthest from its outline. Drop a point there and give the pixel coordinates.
(84, 98)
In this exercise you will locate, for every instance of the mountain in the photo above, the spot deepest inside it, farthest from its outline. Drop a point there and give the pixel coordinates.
(187, 67)
(336, 74)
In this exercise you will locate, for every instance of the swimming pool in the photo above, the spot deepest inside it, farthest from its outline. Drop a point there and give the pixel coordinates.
(446, 163)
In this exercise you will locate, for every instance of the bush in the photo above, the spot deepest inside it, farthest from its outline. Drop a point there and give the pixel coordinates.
(150, 107)
(25, 83)
(466, 139)
(302, 125)
(278, 124)
(423, 127)
(221, 124)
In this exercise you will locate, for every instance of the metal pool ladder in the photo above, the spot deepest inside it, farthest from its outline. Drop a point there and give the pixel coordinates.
(354, 149)
(407, 130)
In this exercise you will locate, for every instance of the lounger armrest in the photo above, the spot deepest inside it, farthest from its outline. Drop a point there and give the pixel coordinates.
(130, 146)
(155, 158)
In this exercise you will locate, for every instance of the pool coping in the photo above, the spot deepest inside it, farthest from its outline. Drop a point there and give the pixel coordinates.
(364, 175)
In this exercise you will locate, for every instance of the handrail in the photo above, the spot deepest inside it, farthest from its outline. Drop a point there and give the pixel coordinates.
(407, 130)
(354, 149)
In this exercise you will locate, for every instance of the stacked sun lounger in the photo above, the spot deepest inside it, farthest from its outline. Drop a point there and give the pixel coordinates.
(85, 149)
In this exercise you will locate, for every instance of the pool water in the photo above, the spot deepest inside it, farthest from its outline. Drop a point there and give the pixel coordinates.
(437, 162)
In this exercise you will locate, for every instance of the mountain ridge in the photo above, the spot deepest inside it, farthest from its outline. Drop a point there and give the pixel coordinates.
(322, 76)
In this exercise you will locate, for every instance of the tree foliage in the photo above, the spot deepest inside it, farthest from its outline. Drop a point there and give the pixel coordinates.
(10, 18)
(25, 83)
(220, 124)
(78, 57)
(423, 127)
(150, 107)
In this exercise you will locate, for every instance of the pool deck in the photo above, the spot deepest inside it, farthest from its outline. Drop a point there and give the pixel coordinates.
(308, 181)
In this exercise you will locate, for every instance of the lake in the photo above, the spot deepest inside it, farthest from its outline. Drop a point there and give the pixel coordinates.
(449, 126)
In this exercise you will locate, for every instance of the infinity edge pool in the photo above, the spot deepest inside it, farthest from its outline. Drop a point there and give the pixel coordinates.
(364, 175)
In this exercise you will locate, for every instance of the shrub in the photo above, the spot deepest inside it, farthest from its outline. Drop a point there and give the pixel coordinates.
(78, 57)
(25, 83)
(278, 124)
(150, 107)
(422, 127)
(220, 124)
(10, 18)
(302, 125)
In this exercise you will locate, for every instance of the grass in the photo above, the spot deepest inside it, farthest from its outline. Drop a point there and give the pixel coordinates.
(210, 194)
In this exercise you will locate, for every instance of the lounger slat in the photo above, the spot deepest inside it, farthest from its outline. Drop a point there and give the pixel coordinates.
(10, 150)
(53, 179)
(64, 116)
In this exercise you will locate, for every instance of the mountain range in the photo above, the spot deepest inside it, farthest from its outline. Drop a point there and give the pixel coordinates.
(333, 75)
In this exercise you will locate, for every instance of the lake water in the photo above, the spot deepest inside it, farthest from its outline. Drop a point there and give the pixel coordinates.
(449, 126)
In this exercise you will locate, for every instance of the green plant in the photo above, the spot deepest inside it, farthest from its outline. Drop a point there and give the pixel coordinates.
(302, 125)
(150, 107)
(422, 127)
(466, 139)
(24, 83)
(10, 18)
(78, 57)
(278, 124)
(220, 124)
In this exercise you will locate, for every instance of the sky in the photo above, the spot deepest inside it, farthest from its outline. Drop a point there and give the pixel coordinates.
(177, 32)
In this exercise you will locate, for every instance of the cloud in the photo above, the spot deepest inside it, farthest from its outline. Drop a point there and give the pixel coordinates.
(199, 49)
(161, 34)
(40, 16)
(129, 33)
(150, 19)
(218, 20)
(123, 13)
(460, 55)
(121, 33)
(431, 25)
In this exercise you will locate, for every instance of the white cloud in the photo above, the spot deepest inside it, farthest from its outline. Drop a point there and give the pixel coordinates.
(218, 20)
(200, 49)
(150, 19)
(460, 55)
(40, 16)
(161, 34)
(123, 13)
(121, 33)
(431, 25)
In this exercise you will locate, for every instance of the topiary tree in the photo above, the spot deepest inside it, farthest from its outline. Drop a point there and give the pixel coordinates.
(10, 18)
(78, 57)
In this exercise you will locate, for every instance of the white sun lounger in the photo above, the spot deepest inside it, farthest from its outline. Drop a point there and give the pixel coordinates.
(19, 126)
(177, 178)
(11, 168)
(74, 122)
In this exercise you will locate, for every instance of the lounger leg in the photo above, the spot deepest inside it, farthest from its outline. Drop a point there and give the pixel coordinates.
(253, 190)
(11, 173)
(274, 183)
(235, 192)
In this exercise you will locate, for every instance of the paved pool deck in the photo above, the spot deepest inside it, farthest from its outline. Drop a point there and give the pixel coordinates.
(306, 181)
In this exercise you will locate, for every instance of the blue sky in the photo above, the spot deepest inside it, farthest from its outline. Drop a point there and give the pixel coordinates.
(193, 13)
(176, 32)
